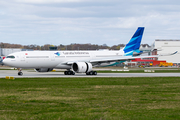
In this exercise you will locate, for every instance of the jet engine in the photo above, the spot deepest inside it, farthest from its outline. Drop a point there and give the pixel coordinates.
(43, 69)
(82, 67)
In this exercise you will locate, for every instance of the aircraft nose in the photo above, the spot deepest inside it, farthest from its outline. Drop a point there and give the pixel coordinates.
(5, 61)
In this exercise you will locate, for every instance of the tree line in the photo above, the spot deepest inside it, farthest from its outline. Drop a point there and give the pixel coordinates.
(65, 47)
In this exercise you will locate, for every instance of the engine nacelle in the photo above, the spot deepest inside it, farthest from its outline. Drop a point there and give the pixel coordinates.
(82, 67)
(43, 69)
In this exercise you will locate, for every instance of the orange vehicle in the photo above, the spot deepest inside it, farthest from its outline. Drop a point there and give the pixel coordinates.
(165, 64)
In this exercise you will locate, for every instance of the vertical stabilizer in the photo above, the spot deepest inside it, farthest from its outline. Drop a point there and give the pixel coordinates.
(135, 42)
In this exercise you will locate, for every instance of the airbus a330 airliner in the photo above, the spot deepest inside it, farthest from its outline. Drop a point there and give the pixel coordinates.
(75, 61)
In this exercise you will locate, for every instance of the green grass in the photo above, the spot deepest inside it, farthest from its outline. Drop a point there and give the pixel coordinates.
(90, 98)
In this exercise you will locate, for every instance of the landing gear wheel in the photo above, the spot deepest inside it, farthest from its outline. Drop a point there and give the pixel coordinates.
(91, 73)
(73, 73)
(94, 73)
(20, 73)
(68, 72)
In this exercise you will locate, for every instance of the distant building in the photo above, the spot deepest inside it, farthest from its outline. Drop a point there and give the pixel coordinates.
(7, 51)
(160, 47)
(146, 49)
(166, 47)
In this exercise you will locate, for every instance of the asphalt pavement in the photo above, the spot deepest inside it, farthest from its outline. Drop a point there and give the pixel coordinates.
(33, 74)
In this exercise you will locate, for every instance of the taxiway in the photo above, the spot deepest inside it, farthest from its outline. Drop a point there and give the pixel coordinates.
(33, 74)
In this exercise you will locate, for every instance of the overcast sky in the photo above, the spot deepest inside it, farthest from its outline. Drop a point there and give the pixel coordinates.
(110, 22)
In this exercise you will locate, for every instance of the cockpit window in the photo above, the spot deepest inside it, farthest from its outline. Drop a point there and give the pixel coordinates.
(10, 56)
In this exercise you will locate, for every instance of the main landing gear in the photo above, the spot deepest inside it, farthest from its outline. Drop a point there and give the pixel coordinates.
(69, 73)
(19, 72)
(91, 73)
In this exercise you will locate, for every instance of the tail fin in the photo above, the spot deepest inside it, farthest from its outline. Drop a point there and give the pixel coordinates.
(134, 43)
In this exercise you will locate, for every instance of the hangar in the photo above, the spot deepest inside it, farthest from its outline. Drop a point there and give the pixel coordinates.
(166, 47)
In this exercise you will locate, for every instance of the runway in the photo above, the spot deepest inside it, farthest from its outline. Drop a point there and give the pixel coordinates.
(33, 74)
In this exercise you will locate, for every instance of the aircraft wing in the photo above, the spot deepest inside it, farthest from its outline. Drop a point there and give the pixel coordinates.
(121, 58)
(110, 59)
(118, 58)
(125, 58)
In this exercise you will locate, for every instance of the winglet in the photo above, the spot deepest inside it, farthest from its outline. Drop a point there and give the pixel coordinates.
(170, 54)
(174, 53)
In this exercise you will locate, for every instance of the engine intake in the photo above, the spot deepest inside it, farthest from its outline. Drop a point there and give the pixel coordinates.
(82, 67)
(43, 69)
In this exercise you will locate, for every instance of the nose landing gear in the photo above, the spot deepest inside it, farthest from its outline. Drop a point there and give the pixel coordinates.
(19, 72)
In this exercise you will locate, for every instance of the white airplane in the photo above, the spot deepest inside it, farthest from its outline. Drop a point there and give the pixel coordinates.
(75, 61)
